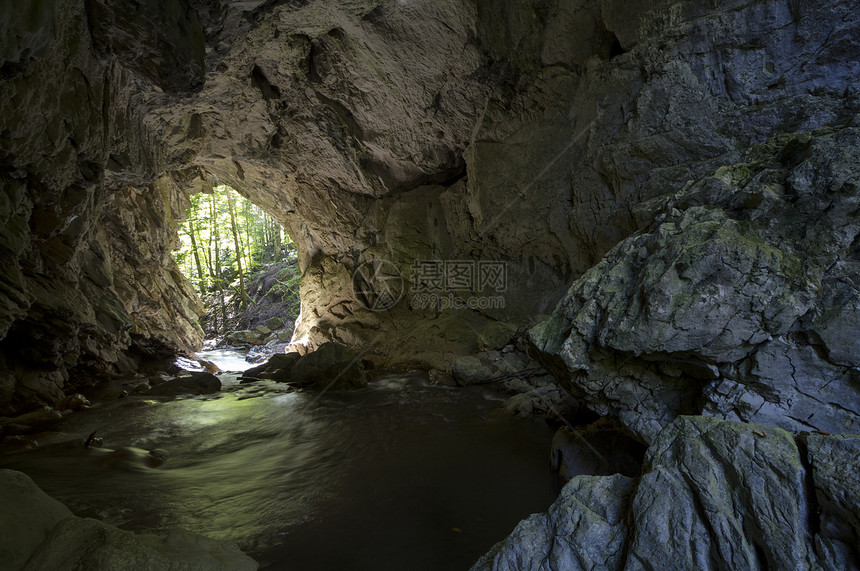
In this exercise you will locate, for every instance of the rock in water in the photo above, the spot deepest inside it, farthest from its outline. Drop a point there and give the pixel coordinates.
(38, 533)
(27, 515)
(331, 366)
(195, 384)
(714, 495)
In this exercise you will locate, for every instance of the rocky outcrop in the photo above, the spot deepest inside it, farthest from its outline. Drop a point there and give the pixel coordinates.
(530, 136)
(714, 495)
(720, 304)
(41, 533)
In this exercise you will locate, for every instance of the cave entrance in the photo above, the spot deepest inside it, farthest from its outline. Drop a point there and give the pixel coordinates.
(243, 266)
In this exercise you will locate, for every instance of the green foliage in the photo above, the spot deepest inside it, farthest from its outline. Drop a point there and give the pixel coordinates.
(213, 246)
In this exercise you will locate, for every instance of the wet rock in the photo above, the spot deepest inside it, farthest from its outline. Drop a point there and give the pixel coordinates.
(27, 517)
(470, 370)
(195, 384)
(437, 377)
(331, 366)
(278, 367)
(714, 494)
(72, 402)
(36, 420)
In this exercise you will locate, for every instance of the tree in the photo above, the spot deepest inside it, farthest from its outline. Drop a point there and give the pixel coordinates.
(242, 292)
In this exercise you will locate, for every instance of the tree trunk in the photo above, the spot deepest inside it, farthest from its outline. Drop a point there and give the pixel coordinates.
(217, 255)
(242, 292)
(191, 232)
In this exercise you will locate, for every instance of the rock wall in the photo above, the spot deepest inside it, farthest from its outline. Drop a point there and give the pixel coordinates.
(538, 134)
(714, 495)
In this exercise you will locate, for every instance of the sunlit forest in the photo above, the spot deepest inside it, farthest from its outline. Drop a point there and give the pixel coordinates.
(240, 261)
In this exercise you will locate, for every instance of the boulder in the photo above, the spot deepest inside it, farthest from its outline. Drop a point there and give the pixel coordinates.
(470, 370)
(243, 337)
(72, 402)
(331, 366)
(279, 362)
(274, 323)
(495, 335)
(195, 384)
(37, 532)
(41, 419)
(27, 517)
(714, 495)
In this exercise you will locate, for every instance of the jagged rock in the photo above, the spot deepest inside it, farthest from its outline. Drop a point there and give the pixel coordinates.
(584, 529)
(715, 301)
(714, 495)
(195, 384)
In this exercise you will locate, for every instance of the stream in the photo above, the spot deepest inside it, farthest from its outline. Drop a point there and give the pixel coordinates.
(400, 475)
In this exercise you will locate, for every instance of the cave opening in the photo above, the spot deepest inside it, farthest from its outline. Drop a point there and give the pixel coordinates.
(243, 266)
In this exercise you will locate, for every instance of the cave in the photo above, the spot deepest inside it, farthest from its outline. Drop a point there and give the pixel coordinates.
(619, 240)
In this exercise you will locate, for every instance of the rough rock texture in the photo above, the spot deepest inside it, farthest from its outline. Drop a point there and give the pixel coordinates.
(738, 300)
(532, 133)
(38, 532)
(714, 495)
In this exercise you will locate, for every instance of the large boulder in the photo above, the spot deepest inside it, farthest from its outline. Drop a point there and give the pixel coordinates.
(716, 308)
(28, 515)
(714, 495)
(331, 366)
(37, 532)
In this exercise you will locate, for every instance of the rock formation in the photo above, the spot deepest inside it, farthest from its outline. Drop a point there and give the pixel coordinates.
(715, 495)
(674, 181)
(38, 532)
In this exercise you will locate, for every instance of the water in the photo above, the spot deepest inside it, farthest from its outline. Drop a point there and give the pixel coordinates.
(226, 359)
(401, 475)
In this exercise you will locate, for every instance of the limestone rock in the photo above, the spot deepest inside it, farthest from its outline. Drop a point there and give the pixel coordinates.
(714, 300)
(713, 495)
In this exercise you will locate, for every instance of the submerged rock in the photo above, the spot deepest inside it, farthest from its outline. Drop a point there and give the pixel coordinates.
(195, 384)
(714, 495)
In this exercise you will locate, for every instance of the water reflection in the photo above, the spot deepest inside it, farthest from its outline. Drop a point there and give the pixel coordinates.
(398, 475)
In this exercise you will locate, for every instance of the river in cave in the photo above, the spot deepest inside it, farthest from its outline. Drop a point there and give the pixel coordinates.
(400, 475)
